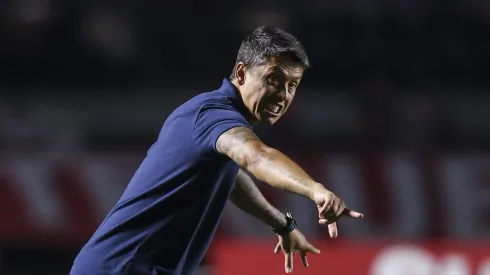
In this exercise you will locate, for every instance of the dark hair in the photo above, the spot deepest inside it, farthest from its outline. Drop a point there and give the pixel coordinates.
(266, 42)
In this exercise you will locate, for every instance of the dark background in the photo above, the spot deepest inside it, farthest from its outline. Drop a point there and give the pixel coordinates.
(86, 85)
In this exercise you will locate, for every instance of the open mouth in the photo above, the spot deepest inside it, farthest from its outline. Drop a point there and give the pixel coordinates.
(274, 108)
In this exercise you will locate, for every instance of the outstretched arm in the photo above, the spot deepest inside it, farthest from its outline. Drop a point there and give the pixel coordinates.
(273, 167)
(249, 199)
(265, 163)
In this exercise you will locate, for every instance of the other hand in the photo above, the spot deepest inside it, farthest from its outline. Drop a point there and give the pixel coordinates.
(291, 243)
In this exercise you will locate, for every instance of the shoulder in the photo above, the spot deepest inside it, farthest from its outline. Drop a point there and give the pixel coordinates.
(206, 100)
(215, 103)
(204, 109)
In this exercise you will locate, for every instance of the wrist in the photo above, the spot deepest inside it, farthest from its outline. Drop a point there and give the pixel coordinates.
(277, 219)
(289, 226)
(281, 222)
(315, 188)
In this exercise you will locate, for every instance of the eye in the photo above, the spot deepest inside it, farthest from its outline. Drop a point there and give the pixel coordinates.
(292, 86)
(273, 80)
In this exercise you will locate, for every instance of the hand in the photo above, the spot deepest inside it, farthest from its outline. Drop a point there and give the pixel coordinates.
(330, 209)
(290, 244)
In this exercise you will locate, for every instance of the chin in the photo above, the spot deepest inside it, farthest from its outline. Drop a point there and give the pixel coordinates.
(271, 120)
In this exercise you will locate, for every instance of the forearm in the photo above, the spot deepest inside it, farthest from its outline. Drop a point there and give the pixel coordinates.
(275, 168)
(266, 164)
(249, 199)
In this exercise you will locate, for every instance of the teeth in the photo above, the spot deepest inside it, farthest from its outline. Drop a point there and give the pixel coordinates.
(274, 108)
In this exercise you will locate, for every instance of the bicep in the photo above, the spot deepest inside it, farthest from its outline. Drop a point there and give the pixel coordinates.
(241, 145)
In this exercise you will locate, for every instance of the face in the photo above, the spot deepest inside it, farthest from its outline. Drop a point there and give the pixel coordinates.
(269, 89)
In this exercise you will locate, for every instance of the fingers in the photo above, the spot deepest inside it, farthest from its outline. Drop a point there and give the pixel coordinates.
(332, 225)
(332, 213)
(278, 248)
(332, 230)
(340, 209)
(288, 259)
(303, 258)
(330, 207)
(324, 209)
(289, 255)
(352, 214)
(310, 248)
(324, 221)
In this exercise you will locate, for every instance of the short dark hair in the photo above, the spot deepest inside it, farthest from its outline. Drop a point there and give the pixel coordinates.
(265, 42)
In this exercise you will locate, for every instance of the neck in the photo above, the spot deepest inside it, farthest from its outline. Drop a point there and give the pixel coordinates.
(249, 116)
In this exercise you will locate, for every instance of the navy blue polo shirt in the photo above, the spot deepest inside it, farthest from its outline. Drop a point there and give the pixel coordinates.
(167, 216)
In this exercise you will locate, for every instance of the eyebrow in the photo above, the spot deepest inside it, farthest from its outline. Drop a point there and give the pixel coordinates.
(276, 68)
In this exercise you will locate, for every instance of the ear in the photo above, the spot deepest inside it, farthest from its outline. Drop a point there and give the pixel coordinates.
(240, 72)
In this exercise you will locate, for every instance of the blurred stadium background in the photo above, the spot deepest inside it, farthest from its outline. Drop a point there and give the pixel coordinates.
(394, 117)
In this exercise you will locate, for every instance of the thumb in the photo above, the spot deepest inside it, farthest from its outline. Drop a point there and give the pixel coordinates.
(352, 214)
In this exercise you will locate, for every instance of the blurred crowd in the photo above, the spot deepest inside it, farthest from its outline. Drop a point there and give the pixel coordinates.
(188, 43)
(384, 72)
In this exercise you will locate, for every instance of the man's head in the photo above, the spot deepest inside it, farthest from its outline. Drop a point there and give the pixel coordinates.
(267, 72)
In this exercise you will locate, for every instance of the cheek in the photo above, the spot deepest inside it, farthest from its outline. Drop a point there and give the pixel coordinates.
(255, 88)
(289, 100)
(262, 91)
(264, 88)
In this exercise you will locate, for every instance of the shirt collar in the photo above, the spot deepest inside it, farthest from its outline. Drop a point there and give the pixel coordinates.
(230, 89)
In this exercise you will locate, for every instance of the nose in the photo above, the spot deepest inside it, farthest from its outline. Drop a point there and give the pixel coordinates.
(282, 93)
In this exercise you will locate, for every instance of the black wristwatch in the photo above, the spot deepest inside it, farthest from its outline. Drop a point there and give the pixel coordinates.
(290, 226)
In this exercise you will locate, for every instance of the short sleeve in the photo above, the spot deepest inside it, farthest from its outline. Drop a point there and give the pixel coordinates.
(214, 120)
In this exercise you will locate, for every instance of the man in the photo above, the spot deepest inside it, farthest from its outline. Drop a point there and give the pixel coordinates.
(167, 216)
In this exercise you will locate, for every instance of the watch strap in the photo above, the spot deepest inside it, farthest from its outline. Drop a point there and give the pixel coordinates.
(290, 226)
